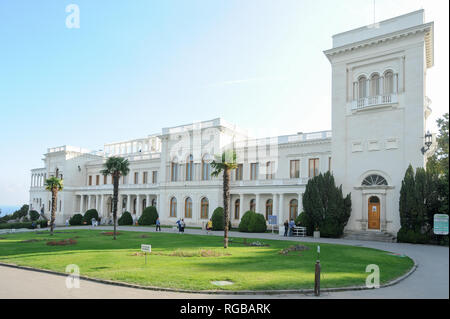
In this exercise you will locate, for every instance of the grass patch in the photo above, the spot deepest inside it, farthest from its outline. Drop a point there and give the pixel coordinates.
(248, 267)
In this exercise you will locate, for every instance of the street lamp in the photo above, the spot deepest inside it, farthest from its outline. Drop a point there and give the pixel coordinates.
(428, 142)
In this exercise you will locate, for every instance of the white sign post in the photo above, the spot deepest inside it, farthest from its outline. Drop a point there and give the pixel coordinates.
(440, 226)
(146, 249)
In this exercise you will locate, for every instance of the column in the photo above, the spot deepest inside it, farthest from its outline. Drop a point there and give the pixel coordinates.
(129, 203)
(158, 204)
(82, 204)
(395, 79)
(275, 205)
(138, 205)
(300, 203)
(89, 202)
(241, 205)
(119, 205)
(102, 211)
(147, 200)
(257, 200)
(281, 215)
(381, 85)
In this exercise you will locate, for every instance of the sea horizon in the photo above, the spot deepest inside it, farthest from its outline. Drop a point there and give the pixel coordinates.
(8, 209)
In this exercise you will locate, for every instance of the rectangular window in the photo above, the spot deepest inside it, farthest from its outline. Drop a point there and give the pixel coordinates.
(313, 167)
(136, 177)
(295, 169)
(269, 170)
(97, 180)
(174, 172)
(90, 180)
(144, 177)
(155, 177)
(105, 179)
(253, 171)
(239, 170)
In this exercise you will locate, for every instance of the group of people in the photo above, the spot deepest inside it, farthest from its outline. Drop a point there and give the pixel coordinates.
(181, 224)
(289, 227)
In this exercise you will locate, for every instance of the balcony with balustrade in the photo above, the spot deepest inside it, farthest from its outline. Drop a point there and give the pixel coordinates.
(377, 91)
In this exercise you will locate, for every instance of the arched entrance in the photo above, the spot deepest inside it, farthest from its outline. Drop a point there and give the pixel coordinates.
(374, 213)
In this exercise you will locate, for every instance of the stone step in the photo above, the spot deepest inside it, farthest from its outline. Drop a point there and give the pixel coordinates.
(370, 236)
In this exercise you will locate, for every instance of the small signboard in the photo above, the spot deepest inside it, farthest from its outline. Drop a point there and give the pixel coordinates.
(146, 248)
(440, 226)
(272, 219)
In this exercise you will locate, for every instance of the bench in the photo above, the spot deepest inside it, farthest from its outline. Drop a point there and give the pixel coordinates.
(298, 231)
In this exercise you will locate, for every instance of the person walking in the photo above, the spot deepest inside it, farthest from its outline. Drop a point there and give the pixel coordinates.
(209, 226)
(158, 224)
(182, 225)
(286, 228)
(291, 227)
(179, 226)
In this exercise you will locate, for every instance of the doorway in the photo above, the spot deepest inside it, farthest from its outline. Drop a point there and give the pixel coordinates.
(374, 213)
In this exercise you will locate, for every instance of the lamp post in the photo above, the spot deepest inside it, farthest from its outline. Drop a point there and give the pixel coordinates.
(428, 142)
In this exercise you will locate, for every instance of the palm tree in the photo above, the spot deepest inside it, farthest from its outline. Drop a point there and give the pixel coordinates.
(54, 185)
(116, 167)
(226, 163)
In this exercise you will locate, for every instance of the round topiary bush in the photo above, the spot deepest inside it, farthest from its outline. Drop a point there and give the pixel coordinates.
(245, 221)
(125, 219)
(218, 219)
(149, 216)
(34, 215)
(90, 213)
(257, 223)
(76, 219)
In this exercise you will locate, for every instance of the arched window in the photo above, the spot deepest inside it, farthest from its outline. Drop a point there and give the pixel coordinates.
(293, 205)
(388, 83)
(269, 207)
(173, 207)
(362, 90)
(374, 200)
(374, 180)
(189, 167)
(174, 170)
(188, 208)
(204, 208)
(154, 202)
(237, 207)
(375, 85)
(206, 168)
(253, 205)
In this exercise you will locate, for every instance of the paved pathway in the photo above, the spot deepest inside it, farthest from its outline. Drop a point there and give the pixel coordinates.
(430, 280)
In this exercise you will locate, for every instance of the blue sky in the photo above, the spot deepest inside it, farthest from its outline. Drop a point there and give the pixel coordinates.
(134, 67)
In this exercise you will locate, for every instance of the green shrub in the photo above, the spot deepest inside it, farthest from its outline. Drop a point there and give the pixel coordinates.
(76, 219)
(91, 213)
(125, 219)
(34, 215)
(15, 225)
(405, 235)
(43, 223)
(218, 220)
(149, 216)
(245, 221)
(301, 220)
(257, 223)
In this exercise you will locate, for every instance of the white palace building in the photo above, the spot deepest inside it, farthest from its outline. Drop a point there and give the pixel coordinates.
(379, 112)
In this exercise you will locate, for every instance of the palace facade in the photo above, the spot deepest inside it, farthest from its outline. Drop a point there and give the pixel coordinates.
(379, 112)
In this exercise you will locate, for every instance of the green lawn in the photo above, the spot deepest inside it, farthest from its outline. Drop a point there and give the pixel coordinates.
(248, 267)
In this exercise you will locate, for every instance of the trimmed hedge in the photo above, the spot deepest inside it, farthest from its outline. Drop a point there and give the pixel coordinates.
(34, 215)
(91, 213)
(257, 223)
(149, 216)
(252, 222)
(218, 222)
(76, 219)
(125, 219)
